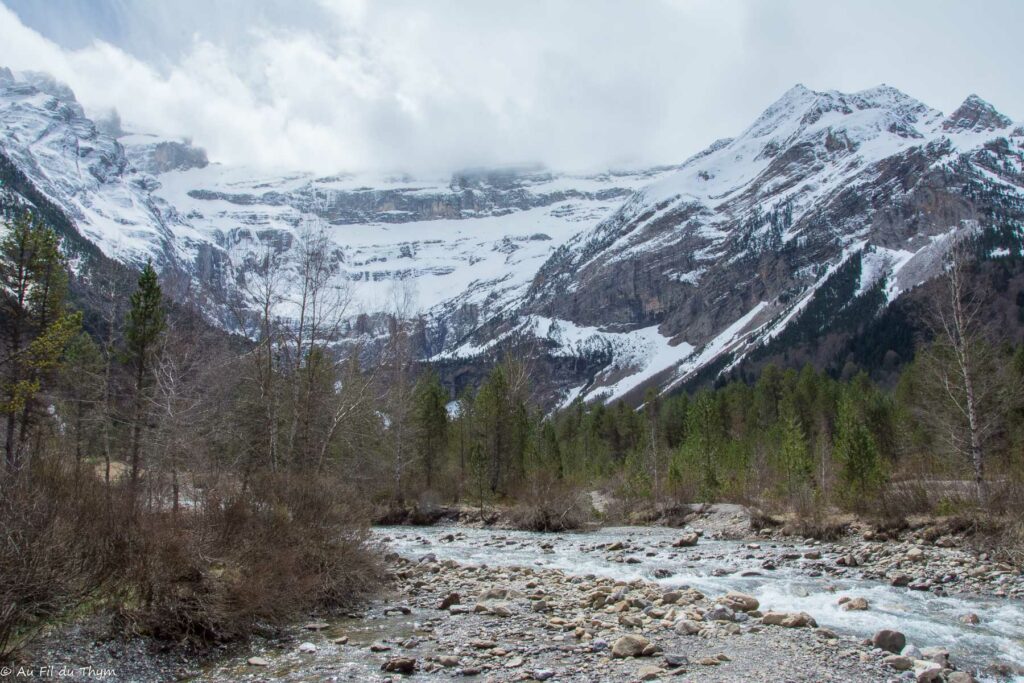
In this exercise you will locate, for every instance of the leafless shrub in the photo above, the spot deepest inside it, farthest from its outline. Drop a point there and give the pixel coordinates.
(56, 548)
(551, 505)
(288, 545)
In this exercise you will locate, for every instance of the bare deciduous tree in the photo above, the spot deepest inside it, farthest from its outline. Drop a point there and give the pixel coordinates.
(961, 364)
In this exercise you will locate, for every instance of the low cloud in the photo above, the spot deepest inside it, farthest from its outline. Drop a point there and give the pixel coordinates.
(429, 87)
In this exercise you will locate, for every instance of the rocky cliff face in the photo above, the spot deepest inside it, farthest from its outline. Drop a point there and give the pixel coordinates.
(611, 282)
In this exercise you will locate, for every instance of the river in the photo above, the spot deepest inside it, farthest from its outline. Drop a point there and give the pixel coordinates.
(717, 566)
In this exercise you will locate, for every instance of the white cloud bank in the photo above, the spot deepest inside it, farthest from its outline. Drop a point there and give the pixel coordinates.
(439, 85)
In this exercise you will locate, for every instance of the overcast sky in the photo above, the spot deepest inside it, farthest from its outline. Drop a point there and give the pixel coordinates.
(436, 85)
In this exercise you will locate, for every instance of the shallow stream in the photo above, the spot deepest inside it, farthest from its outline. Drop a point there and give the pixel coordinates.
(716, 566)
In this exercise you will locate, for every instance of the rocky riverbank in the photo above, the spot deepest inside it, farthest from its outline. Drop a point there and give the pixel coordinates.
(523, 623)
(633, 603)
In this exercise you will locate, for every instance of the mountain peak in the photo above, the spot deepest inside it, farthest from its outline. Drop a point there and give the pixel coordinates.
(976, 115)
(800, 107)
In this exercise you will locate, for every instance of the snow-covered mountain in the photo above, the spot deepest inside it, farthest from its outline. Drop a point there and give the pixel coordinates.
(472, 241)
(827, 199)
(613, 281)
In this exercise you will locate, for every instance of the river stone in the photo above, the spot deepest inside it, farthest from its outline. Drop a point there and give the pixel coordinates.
(497, 608)
(649, 672)
(912, 652)
(741, 602)
(939, 655)
(543, 674)
(307, 648)
(687, 627)
(399, 665)
(971, 619)
(448, 660)
(899, 662)
(900, 579)
(855, 605)
(788, 619)
(930, 675)
(676, 661)
(959, 677)
(630, 645)
(915, 554)
(500, 609)
(630, 621)
(890, 641)
(671, 597)
(316, 626)
(719, 613)
(686, 540)
(450, 599)
(258, 661)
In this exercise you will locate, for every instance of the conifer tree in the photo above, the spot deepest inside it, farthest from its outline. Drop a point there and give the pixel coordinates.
(493, 422)
(82, 384)
(431, 419)
(145, 324)
(793, 451)
(36, 327)
(855, 448)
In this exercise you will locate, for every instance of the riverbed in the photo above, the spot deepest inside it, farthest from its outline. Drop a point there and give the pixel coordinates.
(541, 627)
(717, 566)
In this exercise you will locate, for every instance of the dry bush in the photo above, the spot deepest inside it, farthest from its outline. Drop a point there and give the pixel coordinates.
(1007, 544)
(285, 546)
(57, 546)
(549, 504)
(427, 511)
(759, 519)
(820, 528)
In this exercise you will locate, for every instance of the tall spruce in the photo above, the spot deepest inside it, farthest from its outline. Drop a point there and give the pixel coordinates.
(431, 420)
(144, 326)
(857, 452)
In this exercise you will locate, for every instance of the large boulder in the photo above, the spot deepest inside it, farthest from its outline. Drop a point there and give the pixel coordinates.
(686, 540)
(630, 645)
(741, 602)
(890, 641)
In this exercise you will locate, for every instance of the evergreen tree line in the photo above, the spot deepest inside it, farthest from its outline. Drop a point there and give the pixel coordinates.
(949, 436)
